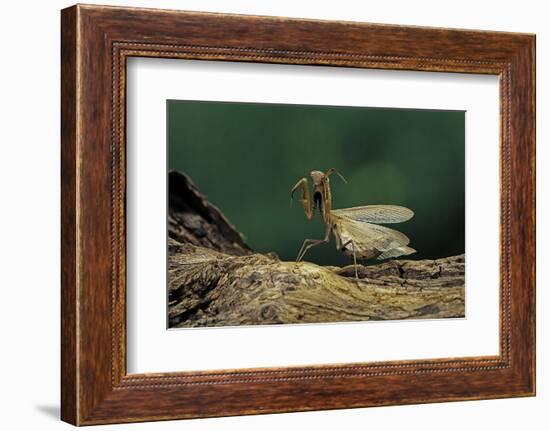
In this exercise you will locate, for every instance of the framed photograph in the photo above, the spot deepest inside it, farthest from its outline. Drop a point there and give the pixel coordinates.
(263, 214)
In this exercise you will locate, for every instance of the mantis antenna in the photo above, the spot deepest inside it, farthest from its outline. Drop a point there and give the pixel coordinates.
(334, 171)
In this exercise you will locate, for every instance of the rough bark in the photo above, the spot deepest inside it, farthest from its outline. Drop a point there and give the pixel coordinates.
(216, 280)
(194, 220)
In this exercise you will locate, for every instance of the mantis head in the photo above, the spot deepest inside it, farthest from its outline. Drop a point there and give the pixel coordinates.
(318, 178)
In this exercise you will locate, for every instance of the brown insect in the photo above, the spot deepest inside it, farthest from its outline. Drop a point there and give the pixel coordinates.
(356, 230)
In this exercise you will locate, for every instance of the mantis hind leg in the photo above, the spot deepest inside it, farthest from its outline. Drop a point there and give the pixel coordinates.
(342, 246)
(354, 258)
(308, 243)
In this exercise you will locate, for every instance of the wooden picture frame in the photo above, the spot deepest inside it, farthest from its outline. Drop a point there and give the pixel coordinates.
(95, 43)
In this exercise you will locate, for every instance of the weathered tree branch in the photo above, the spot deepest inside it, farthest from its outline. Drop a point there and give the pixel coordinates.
(194, 220)
(216, 280)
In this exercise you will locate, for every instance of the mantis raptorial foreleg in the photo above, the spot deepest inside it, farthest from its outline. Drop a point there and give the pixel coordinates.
(308, 243)
(306, 199)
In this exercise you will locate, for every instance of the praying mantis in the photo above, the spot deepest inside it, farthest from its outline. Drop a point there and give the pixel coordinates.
(356, 230)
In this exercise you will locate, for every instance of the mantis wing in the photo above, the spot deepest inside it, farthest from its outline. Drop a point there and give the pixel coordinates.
(369, 236)
(376, 213)
(367, 241)
(396, 252)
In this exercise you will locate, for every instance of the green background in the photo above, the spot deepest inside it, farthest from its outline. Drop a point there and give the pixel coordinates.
(247, 156)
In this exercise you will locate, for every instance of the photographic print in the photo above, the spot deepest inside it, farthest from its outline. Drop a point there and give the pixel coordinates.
(293, 214)
(271, 221)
